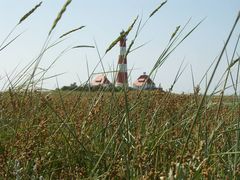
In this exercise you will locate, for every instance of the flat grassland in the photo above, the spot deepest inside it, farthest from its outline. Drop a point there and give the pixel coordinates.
(118, 135)
(128, 134)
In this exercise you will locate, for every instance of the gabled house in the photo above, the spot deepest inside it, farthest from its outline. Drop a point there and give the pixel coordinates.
(100, 80)
(144, 82)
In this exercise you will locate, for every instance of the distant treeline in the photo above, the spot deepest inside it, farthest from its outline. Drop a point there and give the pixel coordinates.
(87, 87)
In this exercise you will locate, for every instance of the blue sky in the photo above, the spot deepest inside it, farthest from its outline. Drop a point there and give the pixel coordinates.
(104, 20)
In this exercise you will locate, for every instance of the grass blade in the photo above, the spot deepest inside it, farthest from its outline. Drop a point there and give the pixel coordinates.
(71, 31)
(83, 46)
(157, 9)
(29, 13)
(123, 34)
(59, 16)
(10, 42)
(175, 32)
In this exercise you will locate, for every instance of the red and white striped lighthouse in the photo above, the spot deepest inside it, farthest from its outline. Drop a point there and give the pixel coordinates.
(122, 76)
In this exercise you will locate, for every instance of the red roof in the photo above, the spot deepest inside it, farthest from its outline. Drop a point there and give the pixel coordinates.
(143, 80)
(100, 80)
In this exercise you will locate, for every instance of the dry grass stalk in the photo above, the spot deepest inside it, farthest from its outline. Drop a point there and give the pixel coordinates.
(29, 13)
(71, 31)
(175, 32)
(156, 10)
(83, 46)
(10, 42)
(121, 35)
(59, 15)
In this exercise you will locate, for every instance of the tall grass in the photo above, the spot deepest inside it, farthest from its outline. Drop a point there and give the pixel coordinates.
(123, 134)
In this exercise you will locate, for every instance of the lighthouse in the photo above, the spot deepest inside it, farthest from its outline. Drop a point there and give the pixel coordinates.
(122, 76)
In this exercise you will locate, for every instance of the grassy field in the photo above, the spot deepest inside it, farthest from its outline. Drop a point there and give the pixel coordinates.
(124, 134)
